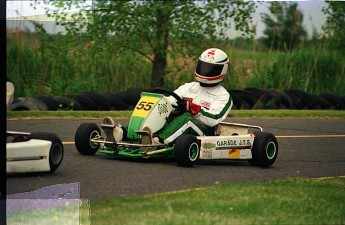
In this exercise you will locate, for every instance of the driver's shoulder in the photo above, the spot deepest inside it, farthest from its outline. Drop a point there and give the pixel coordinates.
(220, 90)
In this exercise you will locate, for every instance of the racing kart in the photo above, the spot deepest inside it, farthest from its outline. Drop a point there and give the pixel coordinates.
(33, 152)
(152, 112)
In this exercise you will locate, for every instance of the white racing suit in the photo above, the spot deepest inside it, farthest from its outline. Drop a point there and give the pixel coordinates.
(215, 105)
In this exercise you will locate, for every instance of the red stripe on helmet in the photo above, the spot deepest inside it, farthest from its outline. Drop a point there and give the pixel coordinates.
(210, 78)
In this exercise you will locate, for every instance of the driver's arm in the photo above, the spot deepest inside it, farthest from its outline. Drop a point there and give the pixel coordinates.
(218, 111)
(172, 100)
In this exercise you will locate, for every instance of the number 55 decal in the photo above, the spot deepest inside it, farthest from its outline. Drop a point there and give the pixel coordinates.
(145, 105)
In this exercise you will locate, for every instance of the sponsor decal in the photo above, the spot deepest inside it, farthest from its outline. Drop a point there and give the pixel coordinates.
(208, 145)
(205, 104)
(206, 150)
(226, 143)
(192, 90)
(206, 154)
(162, 108)
(210, 55)
(211, 95)
(234, 153)
(211, 52)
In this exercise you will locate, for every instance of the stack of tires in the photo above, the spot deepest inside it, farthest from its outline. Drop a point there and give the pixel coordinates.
(248, 98)
(87, 100)
(257, 98)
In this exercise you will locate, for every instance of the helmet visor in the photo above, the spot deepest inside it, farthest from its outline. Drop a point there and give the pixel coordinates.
(208, 69)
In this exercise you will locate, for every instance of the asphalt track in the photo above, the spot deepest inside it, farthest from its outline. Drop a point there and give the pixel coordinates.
(307, 148)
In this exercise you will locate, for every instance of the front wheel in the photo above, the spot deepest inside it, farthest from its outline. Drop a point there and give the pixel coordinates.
(265, 149)
(186, 150)
(83, 136)
(56, 150)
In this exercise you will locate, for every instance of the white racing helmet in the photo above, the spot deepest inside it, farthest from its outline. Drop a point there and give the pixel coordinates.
(212, 67)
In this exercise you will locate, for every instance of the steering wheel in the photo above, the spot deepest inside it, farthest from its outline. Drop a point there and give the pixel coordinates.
(181, 103)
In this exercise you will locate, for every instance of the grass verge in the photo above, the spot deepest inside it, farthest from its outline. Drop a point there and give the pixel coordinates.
(127, 114)
(286, 201)
(69, 213)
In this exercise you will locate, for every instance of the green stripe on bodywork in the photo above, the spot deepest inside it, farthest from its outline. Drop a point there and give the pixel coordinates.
(134, 124)
(122, 154)
(221, 114)
(125, 154)
(151, 94)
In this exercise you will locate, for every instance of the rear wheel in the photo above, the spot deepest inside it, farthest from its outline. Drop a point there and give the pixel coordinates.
(186, 150)
(83, 136)
(265, 149)
(56, 150)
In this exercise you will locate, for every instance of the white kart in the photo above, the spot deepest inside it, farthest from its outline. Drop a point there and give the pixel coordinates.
(228, 140)
(33, 152)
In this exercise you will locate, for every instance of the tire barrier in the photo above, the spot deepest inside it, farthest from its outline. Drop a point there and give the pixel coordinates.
(66, 103)
(248, 98)
(27, 104)
(101, 103)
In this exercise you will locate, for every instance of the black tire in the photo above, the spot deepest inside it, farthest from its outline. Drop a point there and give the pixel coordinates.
(48, 101)
(27, 104)
(343, 99)
(82, 138)
(301, 99)
(248, 101)
(336, 102)
(66, 103)
(116, 101)
(56, 150)
(286, 101)
(236, 99)
(269, 98)
(132, 95)
(85, 102)
(101, 101)
(257, 94)
(324, 104)
(186, 150)
(265, 149)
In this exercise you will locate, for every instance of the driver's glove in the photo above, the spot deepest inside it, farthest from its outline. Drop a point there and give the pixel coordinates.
(172, 100)
(193, 108)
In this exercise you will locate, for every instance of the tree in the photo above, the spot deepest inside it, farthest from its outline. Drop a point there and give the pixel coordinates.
(153, 28)
(335, 23)
(284, 31)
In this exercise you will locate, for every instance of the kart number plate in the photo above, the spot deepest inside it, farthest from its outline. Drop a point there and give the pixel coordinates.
(144, 106)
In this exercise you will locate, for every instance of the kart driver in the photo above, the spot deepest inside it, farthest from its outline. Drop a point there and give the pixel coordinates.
(207, 102)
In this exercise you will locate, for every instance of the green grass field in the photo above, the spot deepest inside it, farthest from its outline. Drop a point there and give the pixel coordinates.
(287, 201)
(284, 201)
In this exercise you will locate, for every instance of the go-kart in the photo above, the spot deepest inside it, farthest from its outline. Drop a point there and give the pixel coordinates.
(153, 111)
(33, 152)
